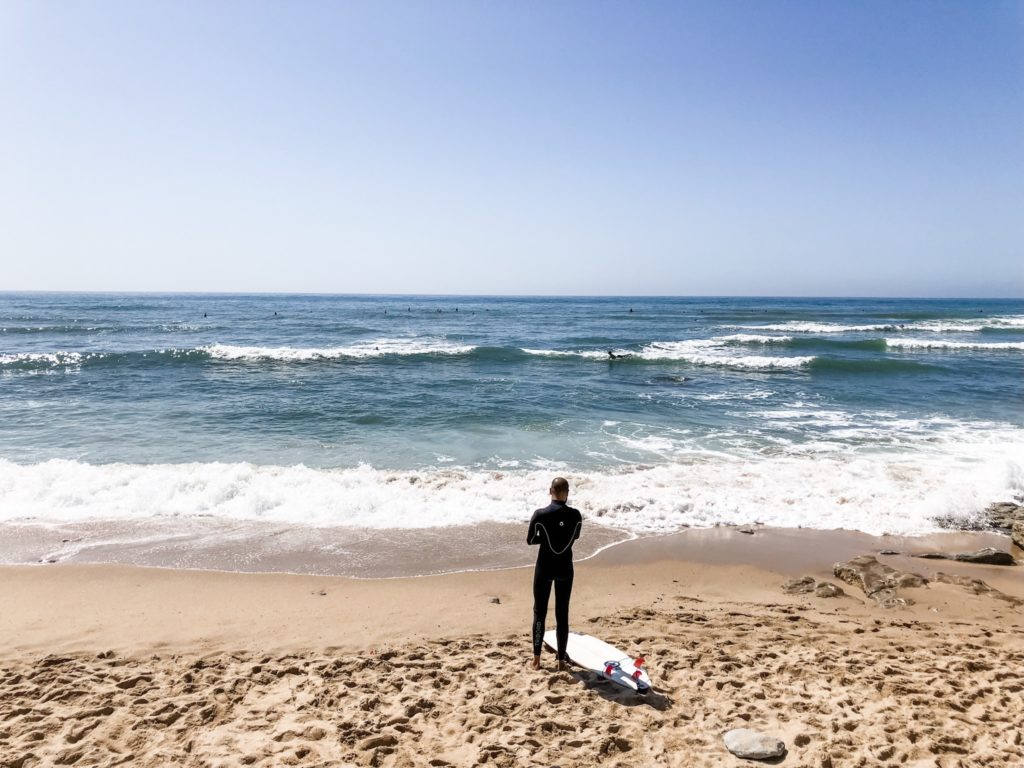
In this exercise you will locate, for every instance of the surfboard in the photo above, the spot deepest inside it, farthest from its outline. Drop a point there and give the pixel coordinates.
(604, 659)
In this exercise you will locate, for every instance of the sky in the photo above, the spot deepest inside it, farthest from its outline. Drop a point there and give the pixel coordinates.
(632, 148)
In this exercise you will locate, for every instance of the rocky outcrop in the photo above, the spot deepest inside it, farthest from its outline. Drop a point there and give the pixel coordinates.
(978, 587)
(1004, 514)
(880, 582)
(1017, 533)
(808, 584)
(986, 556)
(753, 745)
(1000, 516)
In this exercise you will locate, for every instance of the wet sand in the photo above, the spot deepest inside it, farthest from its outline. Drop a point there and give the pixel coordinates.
(108, 664)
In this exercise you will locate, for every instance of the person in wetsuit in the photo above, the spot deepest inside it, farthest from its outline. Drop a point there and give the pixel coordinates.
(553, 529)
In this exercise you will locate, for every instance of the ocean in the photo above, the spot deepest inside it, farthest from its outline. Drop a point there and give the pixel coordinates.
(383, 414)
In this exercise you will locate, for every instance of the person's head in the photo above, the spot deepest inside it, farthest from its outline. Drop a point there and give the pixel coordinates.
(559, 489)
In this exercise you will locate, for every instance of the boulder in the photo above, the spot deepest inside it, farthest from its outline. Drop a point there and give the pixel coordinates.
(986, 556)
(880, 582)
(872, 576)
(753, 745)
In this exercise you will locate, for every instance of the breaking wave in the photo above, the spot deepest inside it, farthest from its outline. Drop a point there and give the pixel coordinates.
(873, 492)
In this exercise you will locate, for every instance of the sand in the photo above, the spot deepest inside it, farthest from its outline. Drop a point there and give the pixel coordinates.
(121, 665)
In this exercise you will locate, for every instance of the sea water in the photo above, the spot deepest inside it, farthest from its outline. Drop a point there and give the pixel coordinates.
(393, 413)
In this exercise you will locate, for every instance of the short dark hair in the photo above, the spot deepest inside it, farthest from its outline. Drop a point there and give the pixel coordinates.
(560, 486)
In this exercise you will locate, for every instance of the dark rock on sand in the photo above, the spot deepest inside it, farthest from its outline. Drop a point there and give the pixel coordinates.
(977, 586)
(986, 556)
(752, 745)
(880, 582)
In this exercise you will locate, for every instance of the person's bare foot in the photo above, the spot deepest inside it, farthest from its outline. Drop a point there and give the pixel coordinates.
(536, 662)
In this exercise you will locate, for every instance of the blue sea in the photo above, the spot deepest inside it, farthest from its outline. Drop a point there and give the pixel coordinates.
(419, 412)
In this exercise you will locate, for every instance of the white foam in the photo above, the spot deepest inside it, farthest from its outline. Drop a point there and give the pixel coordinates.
(590, 354)
(972, 325)
(951, 344)
(968, 326)
(712, 352)
(827, 485)
(800, 326)
(754, 338)
(42, 358)
(376, 348)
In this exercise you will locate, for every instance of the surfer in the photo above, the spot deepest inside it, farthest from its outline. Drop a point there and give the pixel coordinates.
(554, 528)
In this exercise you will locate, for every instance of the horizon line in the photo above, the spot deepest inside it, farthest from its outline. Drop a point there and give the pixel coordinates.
(5, 292)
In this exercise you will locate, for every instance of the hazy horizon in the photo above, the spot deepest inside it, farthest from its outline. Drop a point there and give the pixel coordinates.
(101, 292)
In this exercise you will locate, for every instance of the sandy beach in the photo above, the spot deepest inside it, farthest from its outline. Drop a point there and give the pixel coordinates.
(124, 665)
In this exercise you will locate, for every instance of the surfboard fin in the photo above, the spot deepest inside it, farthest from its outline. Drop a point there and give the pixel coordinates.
(638, 662)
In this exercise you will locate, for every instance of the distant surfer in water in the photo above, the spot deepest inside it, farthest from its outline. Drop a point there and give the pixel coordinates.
(554, 528)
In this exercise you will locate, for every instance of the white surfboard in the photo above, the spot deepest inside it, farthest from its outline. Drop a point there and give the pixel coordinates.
(606, 660)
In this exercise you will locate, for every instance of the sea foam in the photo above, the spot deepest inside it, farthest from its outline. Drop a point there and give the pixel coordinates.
(875, 492)
(375, 348)
(708, 352)
(952, 344)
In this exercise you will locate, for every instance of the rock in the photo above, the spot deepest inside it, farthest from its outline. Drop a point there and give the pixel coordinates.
(977, 586)
(879, 581)
(748, 531)
(888, 552)
(799, 586)
(986, 556)
(1004, 514)
(496, 600)
(807, 584)
(1018, 533)
(828, 589)
(752, 745)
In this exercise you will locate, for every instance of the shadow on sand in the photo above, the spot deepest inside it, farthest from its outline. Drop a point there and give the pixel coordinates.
(608, 690)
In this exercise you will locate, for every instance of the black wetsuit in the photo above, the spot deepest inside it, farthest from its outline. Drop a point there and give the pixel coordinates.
(554, 528)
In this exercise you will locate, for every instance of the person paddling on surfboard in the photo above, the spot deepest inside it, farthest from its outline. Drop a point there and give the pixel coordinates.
(553, 528)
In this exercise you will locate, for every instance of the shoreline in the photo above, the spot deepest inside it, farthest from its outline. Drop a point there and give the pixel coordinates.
(205, 544)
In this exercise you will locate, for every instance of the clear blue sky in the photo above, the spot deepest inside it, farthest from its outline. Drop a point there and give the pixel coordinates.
(784, 148)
